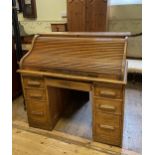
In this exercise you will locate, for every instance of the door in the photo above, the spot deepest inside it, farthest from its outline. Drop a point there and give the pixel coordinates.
(76, 13)
(96, 15)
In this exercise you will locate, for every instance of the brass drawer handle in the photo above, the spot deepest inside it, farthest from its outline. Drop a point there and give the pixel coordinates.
(108, 93)
(107, 127)
(33, 83)
(36, 96)
(107, 107)
(37, 113)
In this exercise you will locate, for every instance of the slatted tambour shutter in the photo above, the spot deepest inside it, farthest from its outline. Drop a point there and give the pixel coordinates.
(76, 15)
(95, 57)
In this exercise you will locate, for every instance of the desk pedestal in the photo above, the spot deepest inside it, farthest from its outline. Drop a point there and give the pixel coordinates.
(47, 97)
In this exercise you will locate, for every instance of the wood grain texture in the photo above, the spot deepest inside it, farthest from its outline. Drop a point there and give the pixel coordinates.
(79, 123)
(59, 27)
(112, 91)
(108, 126)
(83, 86)
(76, 15)
(95, 57)
(108, 105)
(36, 101)
(96, 15)
(45, 105)
(87, 15)
(33, 82)
(85, 60)
(56, 143)
(73, 77)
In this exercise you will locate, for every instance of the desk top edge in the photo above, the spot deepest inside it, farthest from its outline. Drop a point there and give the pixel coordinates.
(88, 34)
(72, 77)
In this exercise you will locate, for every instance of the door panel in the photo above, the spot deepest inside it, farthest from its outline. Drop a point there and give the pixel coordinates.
(76, 15)
(96, 15)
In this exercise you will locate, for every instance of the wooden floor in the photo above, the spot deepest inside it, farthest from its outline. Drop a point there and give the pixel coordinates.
(31, 141)
(77, 121)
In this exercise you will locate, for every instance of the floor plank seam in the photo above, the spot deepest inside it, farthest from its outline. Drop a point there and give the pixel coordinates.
(69, 141)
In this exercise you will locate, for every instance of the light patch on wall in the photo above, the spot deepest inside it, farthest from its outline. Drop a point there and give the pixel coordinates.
(125, 2)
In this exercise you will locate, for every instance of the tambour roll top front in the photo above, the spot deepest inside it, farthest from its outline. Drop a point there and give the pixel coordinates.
(87, 54)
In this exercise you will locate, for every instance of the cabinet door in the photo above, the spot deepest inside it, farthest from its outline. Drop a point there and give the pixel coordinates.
(96, 15)
(76, 15)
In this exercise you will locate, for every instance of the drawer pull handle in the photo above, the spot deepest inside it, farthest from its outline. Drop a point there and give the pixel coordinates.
(33, 83)
(107, 127)
(36, 96)
(108, 93)
(37, 113)
(107, 107)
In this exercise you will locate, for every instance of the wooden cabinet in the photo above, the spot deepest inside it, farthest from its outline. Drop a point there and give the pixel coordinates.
(96, 15)
(59, 27)
(76, 15)
(87, 15)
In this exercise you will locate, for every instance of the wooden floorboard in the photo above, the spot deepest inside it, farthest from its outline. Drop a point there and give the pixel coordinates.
(34, 144)
(50, 140)
(79, 123)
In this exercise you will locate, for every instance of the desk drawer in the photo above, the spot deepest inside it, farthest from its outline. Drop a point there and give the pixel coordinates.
(37, 111)
(38, 94)
(107, 128)
(107, 119)
(108, 105)
(112, 137)
(109, 92)
(33, 82)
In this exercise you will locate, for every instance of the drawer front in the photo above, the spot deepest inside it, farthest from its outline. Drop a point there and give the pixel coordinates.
(107, 128)
(30, 82)
(37, 111)
(107, 119)
(112, 139)
(58, 27)
(38, 94)
(108, 105)
(109, 92)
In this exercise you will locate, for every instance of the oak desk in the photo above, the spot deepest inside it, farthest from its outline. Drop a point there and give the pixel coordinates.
(92, 62)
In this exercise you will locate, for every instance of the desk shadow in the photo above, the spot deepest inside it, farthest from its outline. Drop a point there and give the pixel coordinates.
(77, 100)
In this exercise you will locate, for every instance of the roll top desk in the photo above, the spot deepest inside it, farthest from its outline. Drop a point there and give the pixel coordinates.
(92, 62)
